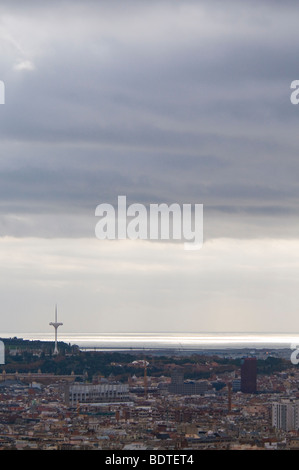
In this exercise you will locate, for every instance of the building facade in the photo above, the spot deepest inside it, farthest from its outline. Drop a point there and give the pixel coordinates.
(97, 393)
(285, 415)
(248, 375)
(180, 387)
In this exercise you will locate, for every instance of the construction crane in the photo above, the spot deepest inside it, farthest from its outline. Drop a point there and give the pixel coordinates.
(229, 386)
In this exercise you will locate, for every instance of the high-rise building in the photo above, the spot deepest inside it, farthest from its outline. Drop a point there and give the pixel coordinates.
(285, 415)
(180, 387)
(177, 377)
(248, 375)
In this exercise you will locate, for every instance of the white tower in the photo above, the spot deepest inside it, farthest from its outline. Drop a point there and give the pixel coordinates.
(56, 325)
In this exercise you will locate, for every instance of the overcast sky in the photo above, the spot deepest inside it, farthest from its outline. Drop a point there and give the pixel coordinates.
(161, 101)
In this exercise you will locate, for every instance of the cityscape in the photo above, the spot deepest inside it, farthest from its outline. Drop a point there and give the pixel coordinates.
(53, 396)
(149, 220)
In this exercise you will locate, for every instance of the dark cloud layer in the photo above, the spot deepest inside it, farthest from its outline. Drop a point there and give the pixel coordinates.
(169, 102)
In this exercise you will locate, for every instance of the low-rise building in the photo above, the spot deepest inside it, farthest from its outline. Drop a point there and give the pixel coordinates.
(97, 393)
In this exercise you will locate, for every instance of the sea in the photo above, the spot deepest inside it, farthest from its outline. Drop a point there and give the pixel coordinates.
(177, 342)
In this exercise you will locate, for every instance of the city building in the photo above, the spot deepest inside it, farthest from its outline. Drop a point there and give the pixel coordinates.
(96, 393)
(236, 385)
(285, 415)
(248, 375)
(180, 387)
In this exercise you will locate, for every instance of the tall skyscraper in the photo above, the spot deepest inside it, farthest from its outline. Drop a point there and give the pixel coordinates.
(248, 375)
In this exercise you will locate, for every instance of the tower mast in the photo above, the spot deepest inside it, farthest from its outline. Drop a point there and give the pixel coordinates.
(56, 324)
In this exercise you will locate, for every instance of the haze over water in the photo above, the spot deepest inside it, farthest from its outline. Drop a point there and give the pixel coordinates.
(176, 341)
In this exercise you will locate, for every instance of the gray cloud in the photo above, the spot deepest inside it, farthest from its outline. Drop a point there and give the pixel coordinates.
(162, 101)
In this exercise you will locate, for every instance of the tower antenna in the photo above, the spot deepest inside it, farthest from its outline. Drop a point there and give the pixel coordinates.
(56, 324)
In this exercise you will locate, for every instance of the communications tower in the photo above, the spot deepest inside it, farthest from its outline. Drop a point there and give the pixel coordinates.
(56, 324)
